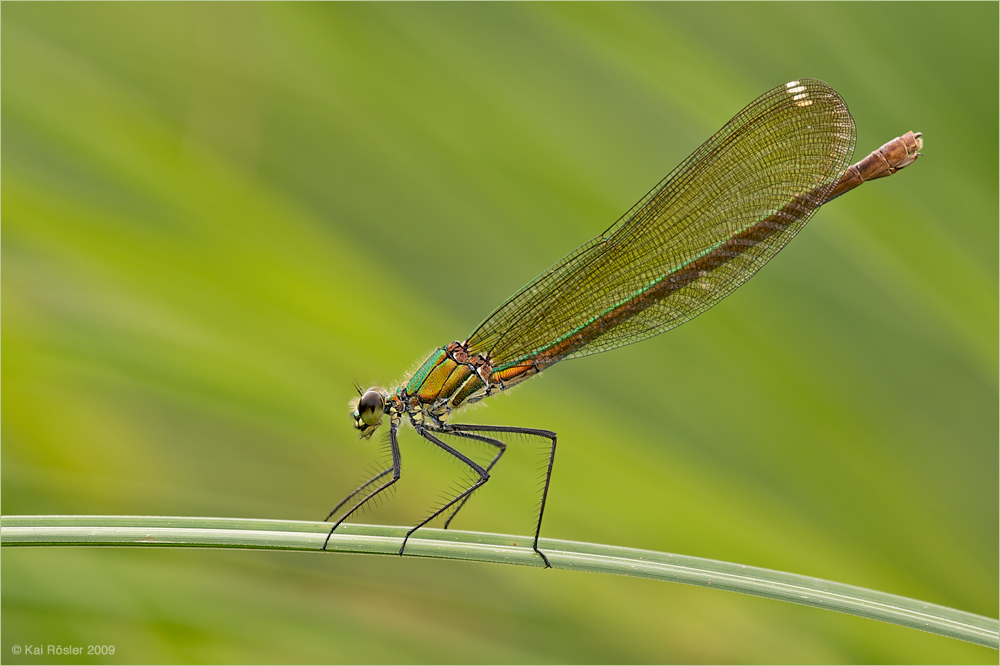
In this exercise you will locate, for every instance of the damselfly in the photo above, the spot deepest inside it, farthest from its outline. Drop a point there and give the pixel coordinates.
(699, 234)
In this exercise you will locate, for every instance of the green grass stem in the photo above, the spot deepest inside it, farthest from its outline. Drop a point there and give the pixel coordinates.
(200, 532)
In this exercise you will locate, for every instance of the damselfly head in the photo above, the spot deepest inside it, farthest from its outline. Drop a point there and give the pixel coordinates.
(368, 412)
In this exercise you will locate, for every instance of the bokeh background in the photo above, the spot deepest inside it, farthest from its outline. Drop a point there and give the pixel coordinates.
(216, 217)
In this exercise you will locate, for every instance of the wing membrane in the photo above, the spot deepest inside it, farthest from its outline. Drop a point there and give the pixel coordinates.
(704, 230)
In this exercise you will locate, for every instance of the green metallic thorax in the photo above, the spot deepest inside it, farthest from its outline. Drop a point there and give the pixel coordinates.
(452, 378)
(443, 378)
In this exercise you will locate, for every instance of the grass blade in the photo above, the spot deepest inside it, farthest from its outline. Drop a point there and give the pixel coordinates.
(201, 532)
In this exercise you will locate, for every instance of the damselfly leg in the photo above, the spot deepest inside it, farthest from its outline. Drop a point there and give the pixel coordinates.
(394, 470)
(468, 429)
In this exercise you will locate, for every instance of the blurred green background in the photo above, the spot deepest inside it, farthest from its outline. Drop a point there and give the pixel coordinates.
(216, 217)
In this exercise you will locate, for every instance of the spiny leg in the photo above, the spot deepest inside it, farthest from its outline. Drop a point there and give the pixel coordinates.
(488, 440)
(395, 469)
(357, 491)
(455, 428)
(483, 478)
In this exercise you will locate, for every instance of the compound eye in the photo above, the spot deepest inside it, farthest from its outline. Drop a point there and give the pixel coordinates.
(370, 407)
